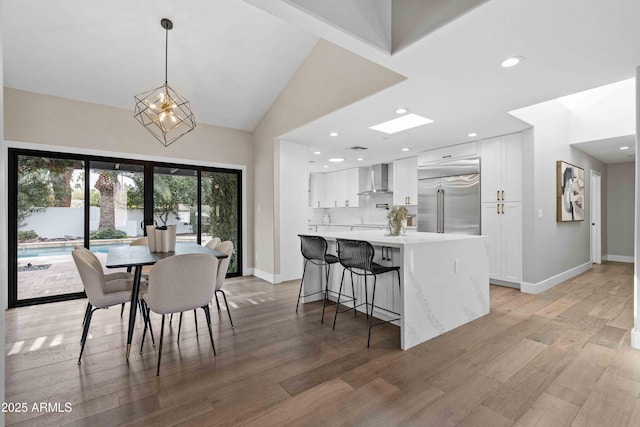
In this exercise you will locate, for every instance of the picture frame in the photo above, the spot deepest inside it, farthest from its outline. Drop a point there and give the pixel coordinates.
(570, 192)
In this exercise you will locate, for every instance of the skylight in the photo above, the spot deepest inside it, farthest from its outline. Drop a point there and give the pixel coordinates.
(405, 122)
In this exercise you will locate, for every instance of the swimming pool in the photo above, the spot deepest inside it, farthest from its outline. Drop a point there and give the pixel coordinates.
(63, 250)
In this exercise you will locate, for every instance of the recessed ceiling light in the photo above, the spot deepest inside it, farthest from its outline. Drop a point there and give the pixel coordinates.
(401, 110)
(472, 134)
(325, 166)
(359, 159)
(405, 122)
(336, 159)
(317, 152)
(406, 149)
(333, 134)
(511, 61)
(624, 148)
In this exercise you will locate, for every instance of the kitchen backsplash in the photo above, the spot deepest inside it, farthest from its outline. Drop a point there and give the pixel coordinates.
(366, 213)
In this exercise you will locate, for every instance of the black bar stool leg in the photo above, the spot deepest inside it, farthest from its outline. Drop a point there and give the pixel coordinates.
(326, 290)
(335, 316)
(353, 293)
(304, 270)
(373, 297)
(366, 295)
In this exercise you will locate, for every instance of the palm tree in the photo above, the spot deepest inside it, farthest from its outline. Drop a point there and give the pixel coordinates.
(105, 185)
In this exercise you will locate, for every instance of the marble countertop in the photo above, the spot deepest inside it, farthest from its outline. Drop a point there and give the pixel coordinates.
(379, 237)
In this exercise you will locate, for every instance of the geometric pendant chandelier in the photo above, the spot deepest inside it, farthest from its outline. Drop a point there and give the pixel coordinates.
(163, 111)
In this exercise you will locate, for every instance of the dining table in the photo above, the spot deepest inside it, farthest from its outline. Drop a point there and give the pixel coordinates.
(136, 257)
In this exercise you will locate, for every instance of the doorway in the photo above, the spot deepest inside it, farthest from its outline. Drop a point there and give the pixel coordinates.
(596, 215)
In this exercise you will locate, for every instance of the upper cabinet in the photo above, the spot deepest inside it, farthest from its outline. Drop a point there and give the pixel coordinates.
(501, 168)
(334, 189)
(468, 149)
(405, 181)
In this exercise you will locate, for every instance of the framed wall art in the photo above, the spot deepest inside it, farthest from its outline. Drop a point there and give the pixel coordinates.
(570, 192)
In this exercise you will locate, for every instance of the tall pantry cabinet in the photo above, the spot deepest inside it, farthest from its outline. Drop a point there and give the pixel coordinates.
(501, 196)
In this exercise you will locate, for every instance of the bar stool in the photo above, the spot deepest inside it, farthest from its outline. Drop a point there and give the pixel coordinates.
(314, 250)
(356, 256)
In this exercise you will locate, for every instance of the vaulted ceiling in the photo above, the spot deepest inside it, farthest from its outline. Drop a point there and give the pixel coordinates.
(232, 58)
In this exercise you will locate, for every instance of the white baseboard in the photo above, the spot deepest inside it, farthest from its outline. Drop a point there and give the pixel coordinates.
(635, 338)
(260, 274)
(247, 271)
(618, 258)
(536, 288)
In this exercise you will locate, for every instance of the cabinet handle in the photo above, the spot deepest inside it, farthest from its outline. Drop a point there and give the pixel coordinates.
(346, 203)
(318, 203)
(335, 203)
(497, 194)
(502, 194)
(503, 209)
(498, 208)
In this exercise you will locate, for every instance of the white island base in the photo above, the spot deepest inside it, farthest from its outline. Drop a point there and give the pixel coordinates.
(445, 280)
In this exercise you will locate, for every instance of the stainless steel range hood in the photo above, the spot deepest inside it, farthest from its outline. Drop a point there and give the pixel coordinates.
(374, 180)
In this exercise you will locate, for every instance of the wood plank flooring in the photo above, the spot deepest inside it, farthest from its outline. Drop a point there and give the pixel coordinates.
(561, 358)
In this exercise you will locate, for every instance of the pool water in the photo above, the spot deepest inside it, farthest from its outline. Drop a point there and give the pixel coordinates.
(63, 250)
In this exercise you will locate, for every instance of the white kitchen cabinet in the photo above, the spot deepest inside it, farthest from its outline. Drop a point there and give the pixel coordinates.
(405, 181)
(334, 189)
(501, 169)
(316, 189)
(468, 149)
(502, 224)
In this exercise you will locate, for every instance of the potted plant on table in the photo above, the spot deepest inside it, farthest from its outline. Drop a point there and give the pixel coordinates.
(397, 217)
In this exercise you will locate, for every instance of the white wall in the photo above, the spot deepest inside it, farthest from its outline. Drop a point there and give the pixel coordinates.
(556, 250)
(3, 226)
(620, 209)
(294, 197)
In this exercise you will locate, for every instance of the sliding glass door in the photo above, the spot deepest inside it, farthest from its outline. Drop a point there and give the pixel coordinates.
(60, 201)
(48, 224)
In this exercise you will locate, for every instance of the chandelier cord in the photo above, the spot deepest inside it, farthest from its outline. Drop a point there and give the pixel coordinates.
(166, 54)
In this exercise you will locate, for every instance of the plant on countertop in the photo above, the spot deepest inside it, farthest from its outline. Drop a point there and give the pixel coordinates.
(397, 217)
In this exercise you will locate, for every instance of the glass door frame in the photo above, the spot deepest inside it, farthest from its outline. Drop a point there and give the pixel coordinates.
(12, 214)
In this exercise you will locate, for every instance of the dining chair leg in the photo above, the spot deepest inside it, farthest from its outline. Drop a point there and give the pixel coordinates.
(85, 332)
(86, 314)
(195, 318)
(208, 316)
(373, 297)
(153, 341)
(304, 270)
(170, 319)
(121, 309)
(215, 294)
(179, 327)
(335, 316)
(224, 296)
(160, 349)
(144, 333)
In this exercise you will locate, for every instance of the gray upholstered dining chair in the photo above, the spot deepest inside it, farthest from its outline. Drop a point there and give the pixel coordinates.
(226, 248)
(181, 283)
(103, 290)
(211, 244)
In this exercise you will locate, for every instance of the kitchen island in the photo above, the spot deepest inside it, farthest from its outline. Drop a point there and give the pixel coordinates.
(445, 280)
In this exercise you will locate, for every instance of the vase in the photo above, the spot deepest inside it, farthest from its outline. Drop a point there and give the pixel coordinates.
(396, 227)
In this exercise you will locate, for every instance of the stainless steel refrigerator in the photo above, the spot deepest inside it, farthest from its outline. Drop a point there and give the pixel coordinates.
(449, 197)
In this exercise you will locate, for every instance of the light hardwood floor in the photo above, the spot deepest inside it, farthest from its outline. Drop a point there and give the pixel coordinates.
(556, 359)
